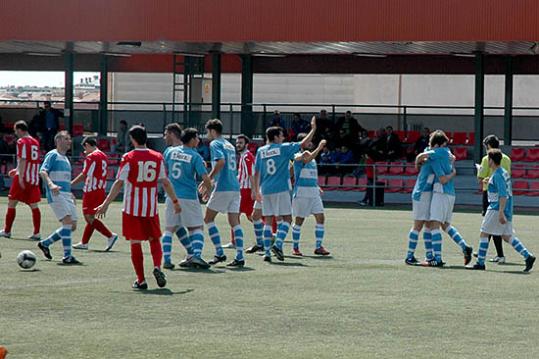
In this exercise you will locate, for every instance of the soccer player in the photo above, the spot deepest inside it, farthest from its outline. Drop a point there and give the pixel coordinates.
(272, 184)
(25, 183)
(184, 164)
(225, 197)
(56, 174)
(443, 199)
(306, 196)
(483, 175)
(94, 175)
(140, 171)
(498, 220)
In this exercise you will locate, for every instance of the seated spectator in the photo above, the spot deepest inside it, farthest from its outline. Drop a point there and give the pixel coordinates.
(327, 161)
(348, 128)
(362, 144)
(377, 147)
(393, 145)
(122, 138)
(276, 119)
(298, 126)
(422, 142)
(204, 150)
(344, 157)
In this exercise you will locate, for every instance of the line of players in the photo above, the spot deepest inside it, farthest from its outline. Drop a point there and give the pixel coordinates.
(142, 169)
(433, 199)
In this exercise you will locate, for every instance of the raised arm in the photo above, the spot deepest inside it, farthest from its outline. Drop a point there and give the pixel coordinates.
(309, 156)
(310, 135)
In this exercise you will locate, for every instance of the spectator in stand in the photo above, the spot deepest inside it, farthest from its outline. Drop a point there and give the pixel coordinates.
(327, 161)
(276, 119)
(3, 128)
(378, 146)
(393, 145)
(422, 142)
(369, 171)
(3, 143)
(49, 120)
(203, 150)
(344, 157)
(122, 137)
(349, 128)
(324, 128)
(298, 126)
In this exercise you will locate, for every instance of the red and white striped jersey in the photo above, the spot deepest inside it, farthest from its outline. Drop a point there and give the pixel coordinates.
(95, 170)
(245, 169)
(28, 149)
(140, 170)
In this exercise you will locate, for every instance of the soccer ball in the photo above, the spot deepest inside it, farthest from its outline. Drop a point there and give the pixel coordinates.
(26, 259)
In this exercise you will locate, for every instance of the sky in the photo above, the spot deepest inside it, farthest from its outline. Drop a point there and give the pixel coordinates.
(38, 78)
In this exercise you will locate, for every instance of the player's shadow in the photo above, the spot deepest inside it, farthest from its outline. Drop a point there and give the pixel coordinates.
(30, 270)
(71, 265)
(102, 251)
(200, 271)
(288, 264)
(323, 258)
(163, 291)
(242, 269)
(510, 264)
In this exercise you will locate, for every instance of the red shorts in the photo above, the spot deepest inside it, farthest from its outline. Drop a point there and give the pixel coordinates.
(29, 195)
(91, 200)
(140, 228)
(246, 203)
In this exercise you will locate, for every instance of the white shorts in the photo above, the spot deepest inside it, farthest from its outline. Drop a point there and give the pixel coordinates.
(257, 205)
(491, 225)
(63, 205)
(224, 202)
(305, 206)
(191, 214)
(421, 208)
(172, 219)
(441, 207)
(277, 204)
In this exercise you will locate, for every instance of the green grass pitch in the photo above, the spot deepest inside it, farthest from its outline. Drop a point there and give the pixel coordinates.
(363, 302)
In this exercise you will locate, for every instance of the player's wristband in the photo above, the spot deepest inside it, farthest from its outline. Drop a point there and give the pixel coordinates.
(175, 201)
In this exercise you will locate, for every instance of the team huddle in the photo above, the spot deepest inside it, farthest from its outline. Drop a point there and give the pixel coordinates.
(434, 198)
(262, 191)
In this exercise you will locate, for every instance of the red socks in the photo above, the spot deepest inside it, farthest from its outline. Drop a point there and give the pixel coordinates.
(88, 231)
(36, 219)
(10, 218)
(157, 252)
(101, 228)
(138, 260)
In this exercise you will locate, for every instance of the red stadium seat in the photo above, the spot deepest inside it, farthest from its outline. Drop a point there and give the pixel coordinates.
(460, 138)
(395, 170)
(520, 187)
(401, 134)
(103, 144)
(534, 189)
(410, 170)
(394, 185)
(518, 154)
(471, 138)
(409, 185)
(381, 168)
(78, 129)
(349, 183)
(321, 181)
(533, 155)
(461, 153)
(412, 136)
(531, 173)
(362, 184)
(333, 183)
(518, 173)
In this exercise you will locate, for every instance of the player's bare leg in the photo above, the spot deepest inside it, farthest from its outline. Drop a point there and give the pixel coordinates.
(10, 218)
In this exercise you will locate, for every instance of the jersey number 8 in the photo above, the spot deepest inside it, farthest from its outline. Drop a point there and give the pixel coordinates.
(270, 167)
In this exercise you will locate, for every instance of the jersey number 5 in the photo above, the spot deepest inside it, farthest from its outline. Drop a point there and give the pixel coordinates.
(146, 171)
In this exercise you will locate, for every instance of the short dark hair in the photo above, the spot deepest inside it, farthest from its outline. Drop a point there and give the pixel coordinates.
(138, 133)
(175, 129)
(273, 131)
(47, 103)
(495, 154)
(89, 140)
(389, 127)
(492, 141)
(21, 125)
(215, 125)
(188, 134)
(244, 137)
(439, 138)
(123, 122)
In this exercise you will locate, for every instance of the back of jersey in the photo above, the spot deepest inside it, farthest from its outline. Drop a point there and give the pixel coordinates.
(95, 170)
(306, 179)
(227, 179)
(273, 163)
(442, 165)
(183, 164)
(28, 149)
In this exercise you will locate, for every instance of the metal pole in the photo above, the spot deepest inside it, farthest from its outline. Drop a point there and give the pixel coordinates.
(508, 108)
(479, 104)
(102, 128)
(216, 85)
(68, 90)
(247, 95)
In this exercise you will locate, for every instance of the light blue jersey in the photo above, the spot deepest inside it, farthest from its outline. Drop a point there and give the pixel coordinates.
(306, 179)
(58, 168)
(183, 164)
(273, 163)
(499, 185)
(442, 165)
(227, 179)
(424, 182)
